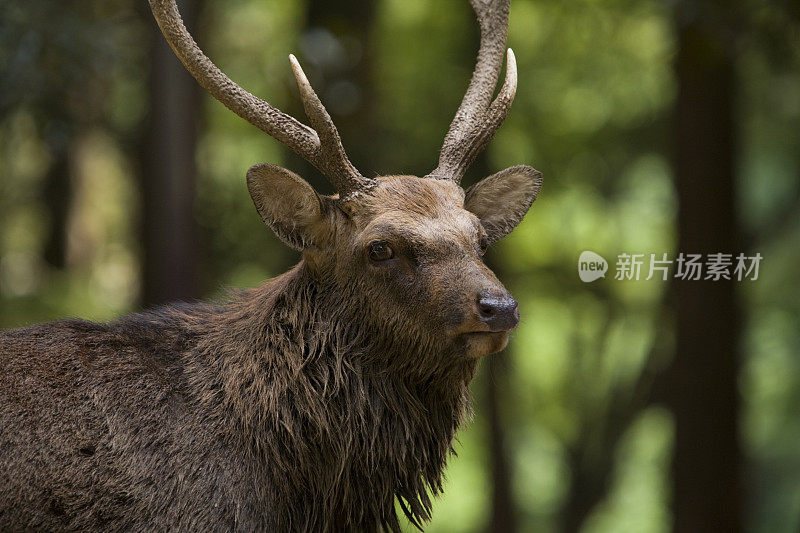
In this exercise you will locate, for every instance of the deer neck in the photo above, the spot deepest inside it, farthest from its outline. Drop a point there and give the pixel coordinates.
(300, 376)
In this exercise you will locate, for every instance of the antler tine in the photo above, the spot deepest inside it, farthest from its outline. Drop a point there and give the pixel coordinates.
(335, 164)
(478, 117)
(326, 154)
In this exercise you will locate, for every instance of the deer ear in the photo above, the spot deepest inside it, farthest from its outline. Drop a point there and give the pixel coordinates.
(501, 200)
(288, 205)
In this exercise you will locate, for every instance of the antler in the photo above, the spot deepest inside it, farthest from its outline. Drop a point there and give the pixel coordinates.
(478, 118)
(321, 146)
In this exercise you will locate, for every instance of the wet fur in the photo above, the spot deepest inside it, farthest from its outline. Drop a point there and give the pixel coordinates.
(272, 412)
(312, 403)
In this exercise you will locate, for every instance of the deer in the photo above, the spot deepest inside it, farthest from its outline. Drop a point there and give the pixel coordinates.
(327, 399)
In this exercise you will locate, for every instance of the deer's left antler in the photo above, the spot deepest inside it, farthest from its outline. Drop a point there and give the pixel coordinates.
(321, 146)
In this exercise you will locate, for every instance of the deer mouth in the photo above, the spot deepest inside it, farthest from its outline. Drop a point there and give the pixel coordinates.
(480, 343)
(482, 330)
(487, 334)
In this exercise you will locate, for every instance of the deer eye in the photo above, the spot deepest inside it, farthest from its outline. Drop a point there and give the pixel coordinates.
(483, 245)
(380, 251)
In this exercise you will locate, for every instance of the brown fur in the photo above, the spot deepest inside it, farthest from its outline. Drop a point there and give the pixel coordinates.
(312, 403)
(317, 402)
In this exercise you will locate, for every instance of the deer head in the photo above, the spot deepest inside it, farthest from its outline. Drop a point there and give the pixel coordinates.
(406, 248)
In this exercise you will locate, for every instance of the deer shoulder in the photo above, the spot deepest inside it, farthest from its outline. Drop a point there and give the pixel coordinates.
(325, 400)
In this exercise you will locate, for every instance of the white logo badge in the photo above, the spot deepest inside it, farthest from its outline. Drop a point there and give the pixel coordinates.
(591, 266)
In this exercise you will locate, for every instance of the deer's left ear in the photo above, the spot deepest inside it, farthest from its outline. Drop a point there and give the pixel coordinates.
(501, 200)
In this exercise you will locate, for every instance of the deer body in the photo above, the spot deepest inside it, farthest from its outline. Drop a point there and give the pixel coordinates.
(211, 418)
(313, 403)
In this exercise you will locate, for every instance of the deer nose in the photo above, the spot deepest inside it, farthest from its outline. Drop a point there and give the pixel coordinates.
(500, 313)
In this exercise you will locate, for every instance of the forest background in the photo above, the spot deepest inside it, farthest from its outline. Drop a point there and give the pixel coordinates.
(660, 127)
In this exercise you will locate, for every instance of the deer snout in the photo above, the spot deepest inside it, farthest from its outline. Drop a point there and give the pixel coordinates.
(499, 312)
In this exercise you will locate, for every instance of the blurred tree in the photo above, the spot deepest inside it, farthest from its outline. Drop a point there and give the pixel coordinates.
(336, 51)
(769, 206)
(57, 195)
(167, 167)
(567, 437)
(55, 56)
(704, 397)
(494, 378)
(503, 518)
(345, 64)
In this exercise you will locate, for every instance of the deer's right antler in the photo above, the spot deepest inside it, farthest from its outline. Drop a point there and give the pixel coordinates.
(478, 118)
(321, 146)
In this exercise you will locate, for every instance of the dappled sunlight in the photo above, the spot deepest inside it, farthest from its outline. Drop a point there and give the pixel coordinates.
(582, 399)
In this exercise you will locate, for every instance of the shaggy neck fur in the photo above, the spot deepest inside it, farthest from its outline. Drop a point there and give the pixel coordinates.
(325, 404)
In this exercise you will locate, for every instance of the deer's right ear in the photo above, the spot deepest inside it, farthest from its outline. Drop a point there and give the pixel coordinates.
(288, 205)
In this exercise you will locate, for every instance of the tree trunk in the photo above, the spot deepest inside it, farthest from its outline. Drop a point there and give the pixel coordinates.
(57, 194)
(707, 463)
(503, 517)
(168, 174)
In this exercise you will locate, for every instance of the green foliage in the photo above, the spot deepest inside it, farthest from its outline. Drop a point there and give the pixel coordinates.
(592, 113)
